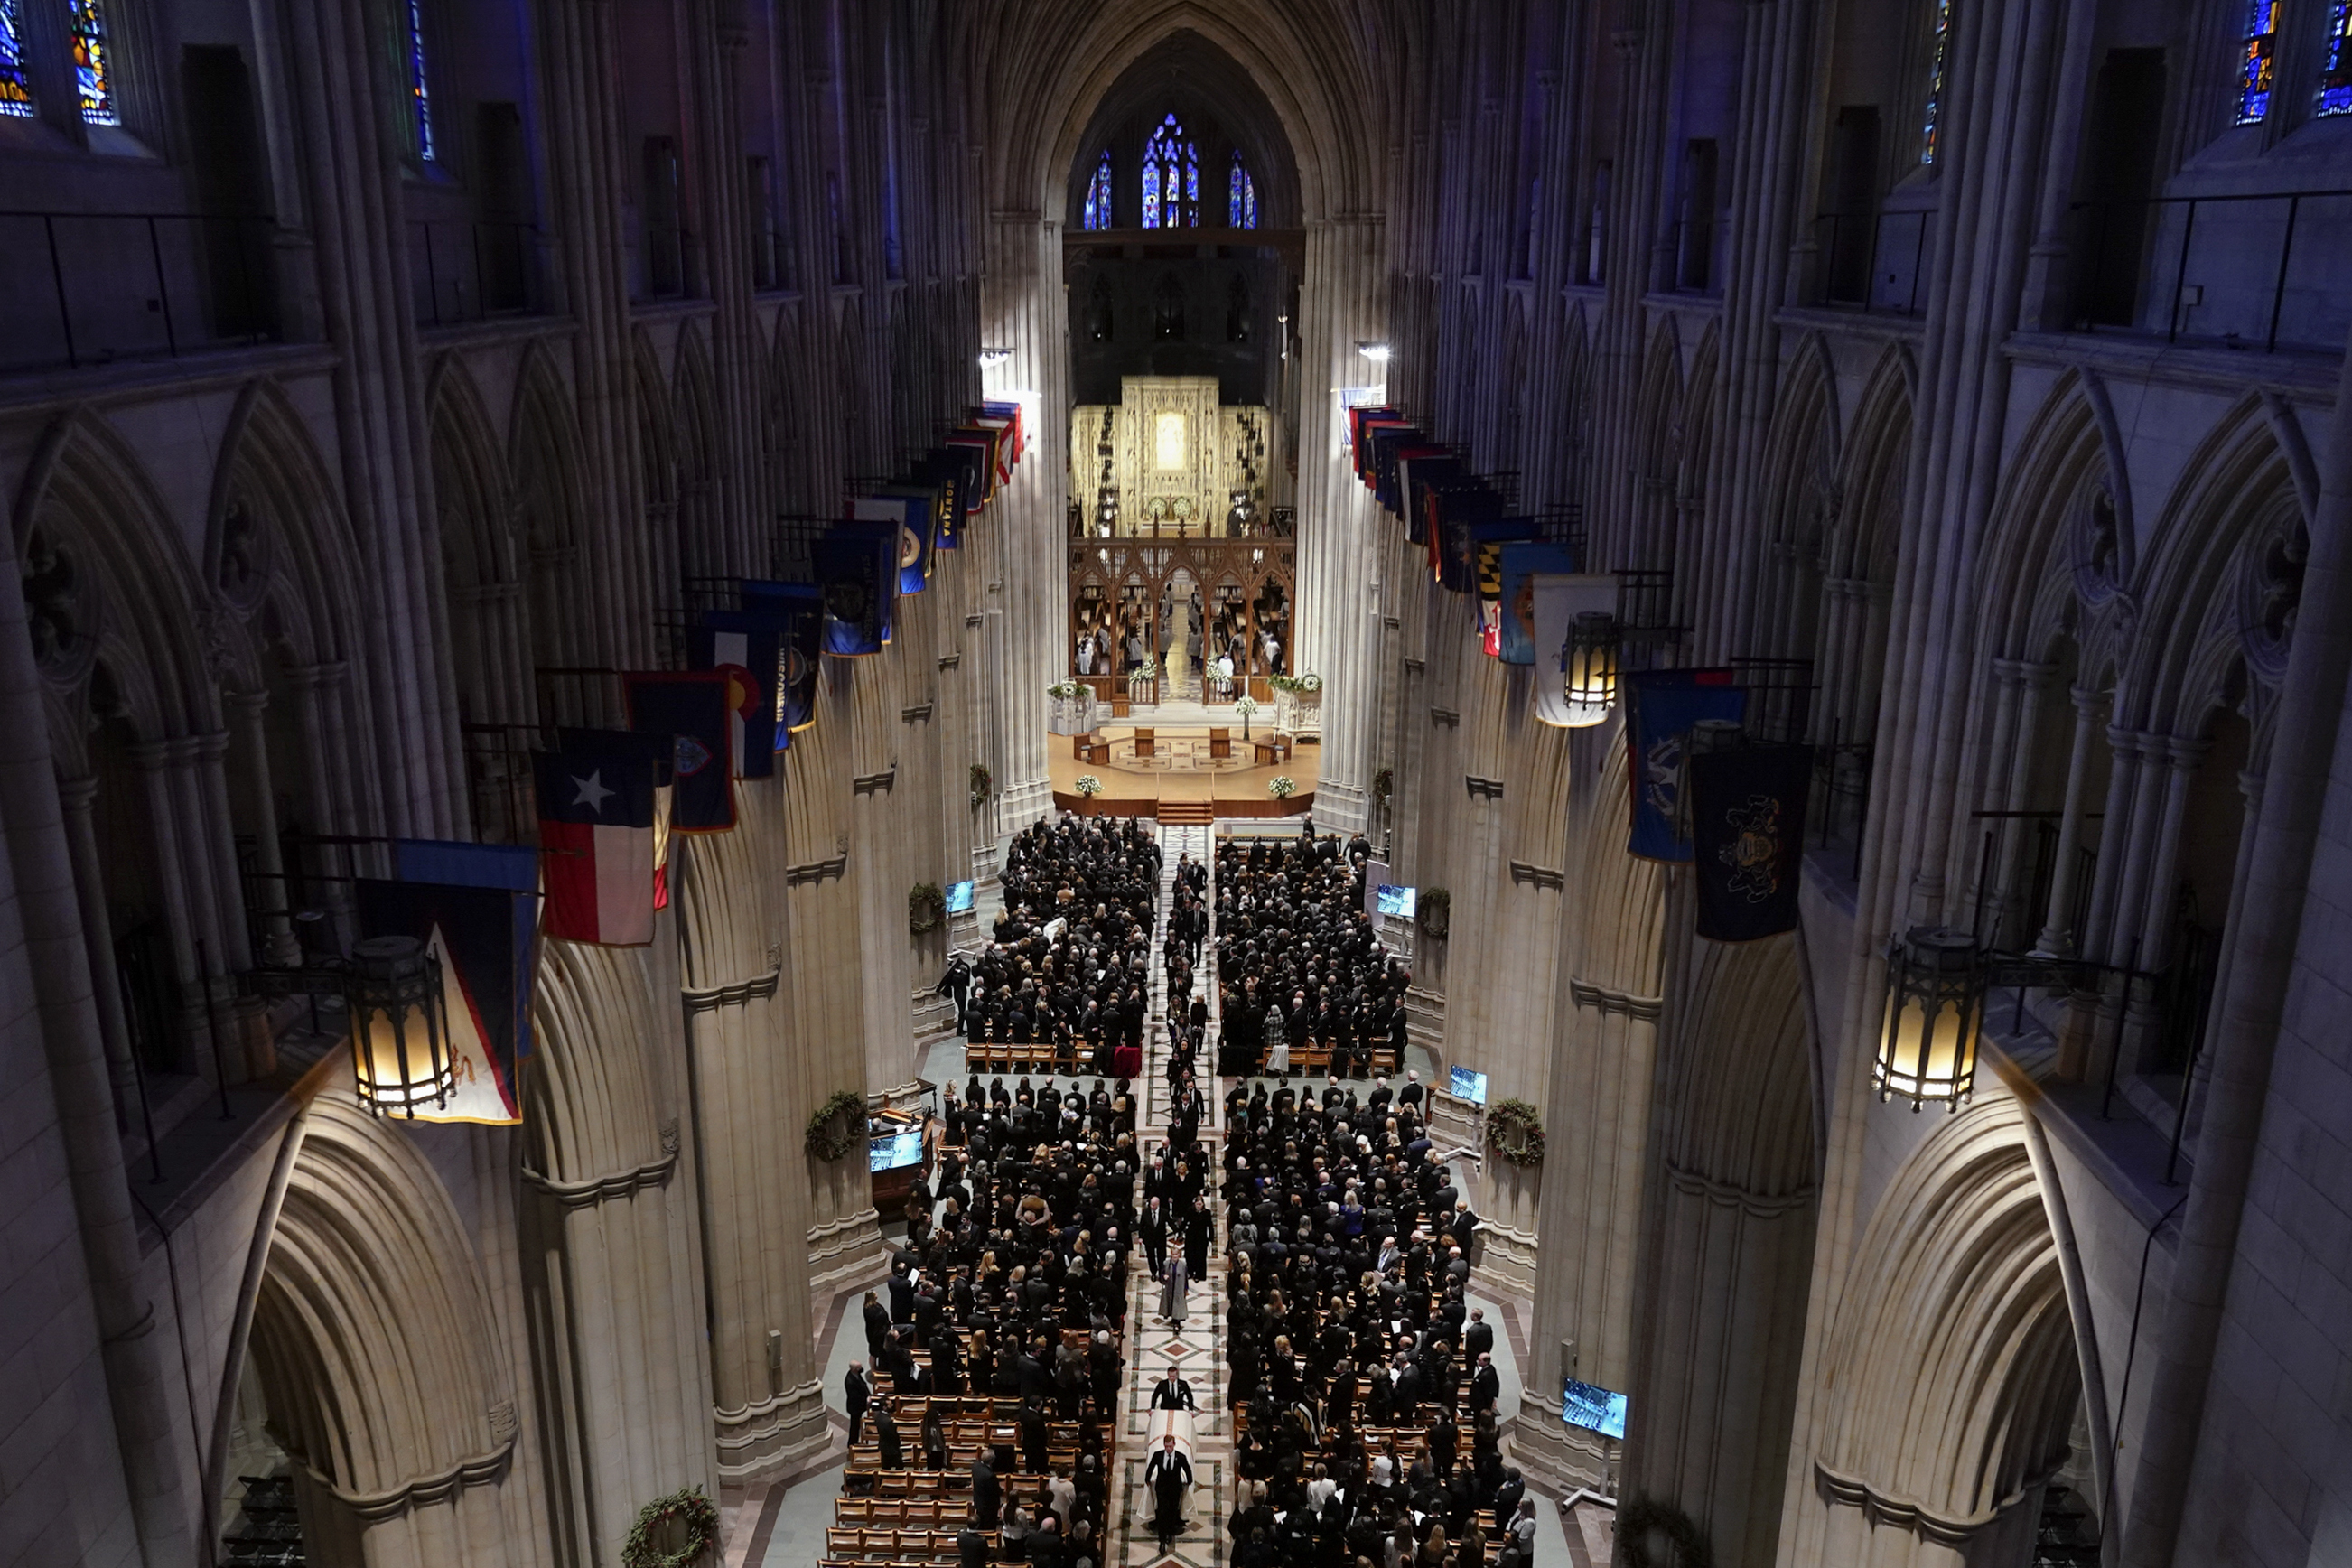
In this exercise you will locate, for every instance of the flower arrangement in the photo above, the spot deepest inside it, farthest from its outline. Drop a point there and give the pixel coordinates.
(1310, 683)
(1089, 786)
(927, 908)
(1284, 683)
(983, 785)
(1246, 707)
(831, 1130)
(1515, 1130)
(685, 1516)
(1281, 788)
(1138, 681)
(1063, 690)
(1433, 913)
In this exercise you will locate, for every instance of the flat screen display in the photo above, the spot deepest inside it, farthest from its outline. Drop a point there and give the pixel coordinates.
(1396, 902)
(892, 1150)
(959, 898)
(1594, 1409)
(1467, 1085)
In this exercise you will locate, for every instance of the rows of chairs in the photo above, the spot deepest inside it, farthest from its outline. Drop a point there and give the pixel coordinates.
(1036, 1057)
(1313, 1061)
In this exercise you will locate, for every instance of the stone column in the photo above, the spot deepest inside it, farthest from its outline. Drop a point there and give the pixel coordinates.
(2058, 934)
(246, 709)
(2022, 685)
(77, 797)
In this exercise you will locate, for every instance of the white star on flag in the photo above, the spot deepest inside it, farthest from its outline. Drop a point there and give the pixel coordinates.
(593, 793)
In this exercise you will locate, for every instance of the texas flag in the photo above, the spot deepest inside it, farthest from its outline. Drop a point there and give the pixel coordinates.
(596, 845)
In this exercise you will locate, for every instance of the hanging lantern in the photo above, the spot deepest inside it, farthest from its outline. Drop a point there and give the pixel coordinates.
(400, 1032)
(1934, 1007)
(1588, 669)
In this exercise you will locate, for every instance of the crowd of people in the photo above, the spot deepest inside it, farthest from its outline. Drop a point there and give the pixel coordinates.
(1070, 963)
(1298, 962)
(1348, 1324)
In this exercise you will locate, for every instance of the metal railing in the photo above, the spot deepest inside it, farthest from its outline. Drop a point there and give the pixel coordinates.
(462, 271)
(2264, 269)
(1874, 262)
(91, 289)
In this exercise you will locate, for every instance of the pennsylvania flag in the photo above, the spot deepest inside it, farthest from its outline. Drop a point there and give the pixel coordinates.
(1661, 707)
(700, 711)
(1748, 836)
(596, 844)
(857, 568)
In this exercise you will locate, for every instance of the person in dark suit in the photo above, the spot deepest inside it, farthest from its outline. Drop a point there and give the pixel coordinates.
(877, 1325)
(856, 1395)
(1154, 1229)
(886, 1433)
(1485, 1386)
(1478, 1338)
(902, 1293)
(1033, 1438)
(987, 1493)
(972, 1546)
(1506, 1499)
(1169, 1473)
(1172, 1392)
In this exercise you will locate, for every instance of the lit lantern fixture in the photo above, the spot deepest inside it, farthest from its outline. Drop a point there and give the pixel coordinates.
(991, 358)
(1588, 669)
(400, 1033)
(1376, 352)
(1934, 1007)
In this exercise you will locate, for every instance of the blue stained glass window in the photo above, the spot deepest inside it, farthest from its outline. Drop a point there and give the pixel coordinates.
(1241, 197)
(1097, 213)
(416, 85)
(1935, 81)
(93, 62)
(1171, 178)
(16, 93)
(2336, 62)
(2255, 62)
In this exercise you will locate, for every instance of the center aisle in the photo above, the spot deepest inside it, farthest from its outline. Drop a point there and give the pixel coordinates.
(1196, 1350)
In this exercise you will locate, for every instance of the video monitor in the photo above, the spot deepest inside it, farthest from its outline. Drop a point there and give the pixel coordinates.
(891, 1151)
(1594, 1409)
(959, 898)
(1395, 903)
(1467, 1085)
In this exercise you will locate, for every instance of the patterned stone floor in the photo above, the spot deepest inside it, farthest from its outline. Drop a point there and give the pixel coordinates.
(1196, 1349)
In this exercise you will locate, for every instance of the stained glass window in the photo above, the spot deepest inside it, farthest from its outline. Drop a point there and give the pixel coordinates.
(2254, 64)
(1097, 213)
(2336, 62)
(1935, 81)
(93, 62)
(16, 93)
(416, 85)
(1241, 197)
(1171, 178)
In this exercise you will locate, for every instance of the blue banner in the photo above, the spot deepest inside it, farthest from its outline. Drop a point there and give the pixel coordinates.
(1661, 706)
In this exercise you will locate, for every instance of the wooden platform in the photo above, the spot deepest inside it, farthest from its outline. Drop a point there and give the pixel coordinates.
(1169, 787)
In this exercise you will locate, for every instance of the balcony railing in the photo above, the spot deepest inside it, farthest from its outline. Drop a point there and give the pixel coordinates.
(2262, 271)
(92, 288)
(1874, 261)
(461, 270)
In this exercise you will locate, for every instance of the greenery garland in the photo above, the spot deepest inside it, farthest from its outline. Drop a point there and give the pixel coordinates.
(927, 908)
(830, 1135)
(983, 783)
(1515, 1130)
(1433, 913)
(1635, 1521)
(1383, 785)
(694, 1514)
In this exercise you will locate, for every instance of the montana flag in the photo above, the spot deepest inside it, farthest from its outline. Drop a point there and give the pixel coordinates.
(1661, 707)
(1748, 836)
(857, 568)
(1520, 565)
(596, 843)
(700, 709)
(1558, 602)
(753, 645)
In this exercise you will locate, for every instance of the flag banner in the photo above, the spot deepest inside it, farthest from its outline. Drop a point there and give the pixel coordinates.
(1406, 463)
(1002, 430)
(1368, 448)
(1660, 706)
(1418, 468)
(1017, 436)
(596, 842)
(469, 931)
(1521, 563)
(1388, 440)
(858, 570)
(930, 486)
(1748, 838)
(1454, 548)
(988, 440)
(970, 448)
(796, 698)
(753, 646)
(656, 753)
(697, 709)
(1363, 418)
(513, 868)
(912, 517)
(1558, 600)
(1487, 574)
